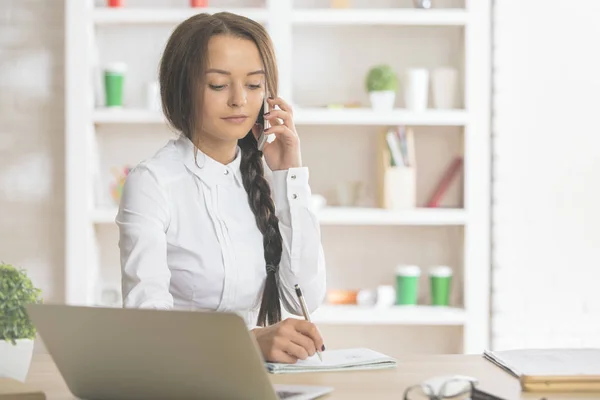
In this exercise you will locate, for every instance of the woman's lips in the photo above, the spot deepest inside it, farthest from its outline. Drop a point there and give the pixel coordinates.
(238, 119)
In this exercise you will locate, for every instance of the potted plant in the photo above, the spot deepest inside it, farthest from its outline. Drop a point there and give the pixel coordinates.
(382, 85)
(17, 332)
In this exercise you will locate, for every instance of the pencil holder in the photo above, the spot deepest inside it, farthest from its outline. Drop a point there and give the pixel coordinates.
(400, 187)
(397, 184)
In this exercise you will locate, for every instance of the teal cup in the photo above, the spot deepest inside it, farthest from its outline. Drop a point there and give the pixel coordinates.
(440, 282)
(407, 284)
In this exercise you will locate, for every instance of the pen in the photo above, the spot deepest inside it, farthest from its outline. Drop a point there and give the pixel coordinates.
(305, 311)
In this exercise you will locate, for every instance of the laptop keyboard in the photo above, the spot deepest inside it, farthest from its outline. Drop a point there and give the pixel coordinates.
(287, 395)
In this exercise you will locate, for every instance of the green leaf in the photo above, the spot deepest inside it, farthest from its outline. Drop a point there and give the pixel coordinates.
(16, 292)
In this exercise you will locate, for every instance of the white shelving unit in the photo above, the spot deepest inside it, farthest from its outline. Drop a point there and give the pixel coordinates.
(284, 22)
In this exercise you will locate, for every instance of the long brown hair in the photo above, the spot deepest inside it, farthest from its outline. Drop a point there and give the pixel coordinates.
(181, 74)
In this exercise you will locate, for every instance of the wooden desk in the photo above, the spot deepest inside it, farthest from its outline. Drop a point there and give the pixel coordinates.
(372, 385)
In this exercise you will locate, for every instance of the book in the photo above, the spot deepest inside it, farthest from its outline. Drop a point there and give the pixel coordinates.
(11, 389)
(337, 360)
(445, 182)
(551, 370)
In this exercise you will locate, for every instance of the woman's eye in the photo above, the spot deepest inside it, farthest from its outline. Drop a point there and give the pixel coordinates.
(253, 87)
(217, 87)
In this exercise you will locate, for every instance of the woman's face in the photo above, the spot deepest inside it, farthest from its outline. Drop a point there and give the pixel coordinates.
(234, 88)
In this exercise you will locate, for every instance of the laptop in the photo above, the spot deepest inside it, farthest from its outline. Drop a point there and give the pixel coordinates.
(119, 353)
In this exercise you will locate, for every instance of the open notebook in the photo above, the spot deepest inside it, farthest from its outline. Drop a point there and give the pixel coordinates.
(336, 360)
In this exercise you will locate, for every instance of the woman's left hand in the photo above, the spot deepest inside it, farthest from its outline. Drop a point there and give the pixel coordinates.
(284, 152)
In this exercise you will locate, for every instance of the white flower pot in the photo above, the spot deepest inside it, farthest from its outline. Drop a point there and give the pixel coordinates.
(15, 359)
(382, 100)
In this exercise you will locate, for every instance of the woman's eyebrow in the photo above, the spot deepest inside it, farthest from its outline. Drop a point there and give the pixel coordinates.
(221, 71)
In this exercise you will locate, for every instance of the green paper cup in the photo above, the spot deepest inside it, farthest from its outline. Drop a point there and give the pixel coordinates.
(440, 280)
(407, 284)
(114, 81)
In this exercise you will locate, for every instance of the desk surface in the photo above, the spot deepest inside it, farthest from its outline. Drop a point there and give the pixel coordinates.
(373, 385)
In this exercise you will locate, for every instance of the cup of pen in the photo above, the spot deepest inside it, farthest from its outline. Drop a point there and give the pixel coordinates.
(440, 282)
(407, 284)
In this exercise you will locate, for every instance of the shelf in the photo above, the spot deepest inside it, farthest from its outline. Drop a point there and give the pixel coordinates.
(311, 116)
(353, 216)
(378, 216)
(110, 16)
(396, 315)
(128, 116)
(367, 116)
(380, 17)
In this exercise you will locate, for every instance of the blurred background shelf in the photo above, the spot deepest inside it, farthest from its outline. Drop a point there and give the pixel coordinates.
(128, 116)
(378, 216)
(311, 116)
(352, 216)
(367, 116)
(108, 16)
(380, 17)
(396, 315)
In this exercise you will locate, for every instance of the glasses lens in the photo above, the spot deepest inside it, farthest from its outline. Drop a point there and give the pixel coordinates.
(456, 389)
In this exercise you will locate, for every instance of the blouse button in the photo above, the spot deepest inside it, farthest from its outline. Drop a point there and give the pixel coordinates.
(294, 196)
(226, 172)
(293, 176)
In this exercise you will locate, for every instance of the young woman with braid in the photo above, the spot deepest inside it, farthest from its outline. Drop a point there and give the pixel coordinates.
(201, 226)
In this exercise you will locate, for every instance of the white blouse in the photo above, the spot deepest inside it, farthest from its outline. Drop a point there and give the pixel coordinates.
(189, 240)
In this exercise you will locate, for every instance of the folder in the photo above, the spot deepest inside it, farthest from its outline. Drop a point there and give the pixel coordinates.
(11, 389)
(551, 370)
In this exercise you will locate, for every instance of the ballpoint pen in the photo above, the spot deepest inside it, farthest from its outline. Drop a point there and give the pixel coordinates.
(305, 311)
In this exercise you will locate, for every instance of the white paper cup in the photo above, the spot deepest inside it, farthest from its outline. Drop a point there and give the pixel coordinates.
(444, 87)
(416, 89)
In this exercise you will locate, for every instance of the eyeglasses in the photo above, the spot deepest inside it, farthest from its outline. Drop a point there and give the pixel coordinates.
(457, 387)
(439, 388)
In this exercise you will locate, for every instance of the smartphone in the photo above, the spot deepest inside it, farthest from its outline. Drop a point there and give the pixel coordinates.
(262, 139)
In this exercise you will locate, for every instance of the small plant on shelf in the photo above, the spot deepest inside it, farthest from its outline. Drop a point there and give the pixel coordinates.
(382, 85)
(17, 332)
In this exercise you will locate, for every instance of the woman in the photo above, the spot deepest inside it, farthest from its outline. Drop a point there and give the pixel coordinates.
(199, 226)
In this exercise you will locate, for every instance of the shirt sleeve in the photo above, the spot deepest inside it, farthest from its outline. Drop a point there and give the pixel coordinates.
(143, 219)
(302, 259)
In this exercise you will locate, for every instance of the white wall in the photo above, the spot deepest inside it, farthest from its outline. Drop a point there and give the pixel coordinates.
(546, 174)
(32, 141)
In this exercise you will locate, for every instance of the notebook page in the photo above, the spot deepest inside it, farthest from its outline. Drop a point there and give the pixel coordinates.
(337, 359)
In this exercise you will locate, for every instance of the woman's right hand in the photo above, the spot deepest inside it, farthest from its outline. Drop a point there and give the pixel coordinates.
(289, 341)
